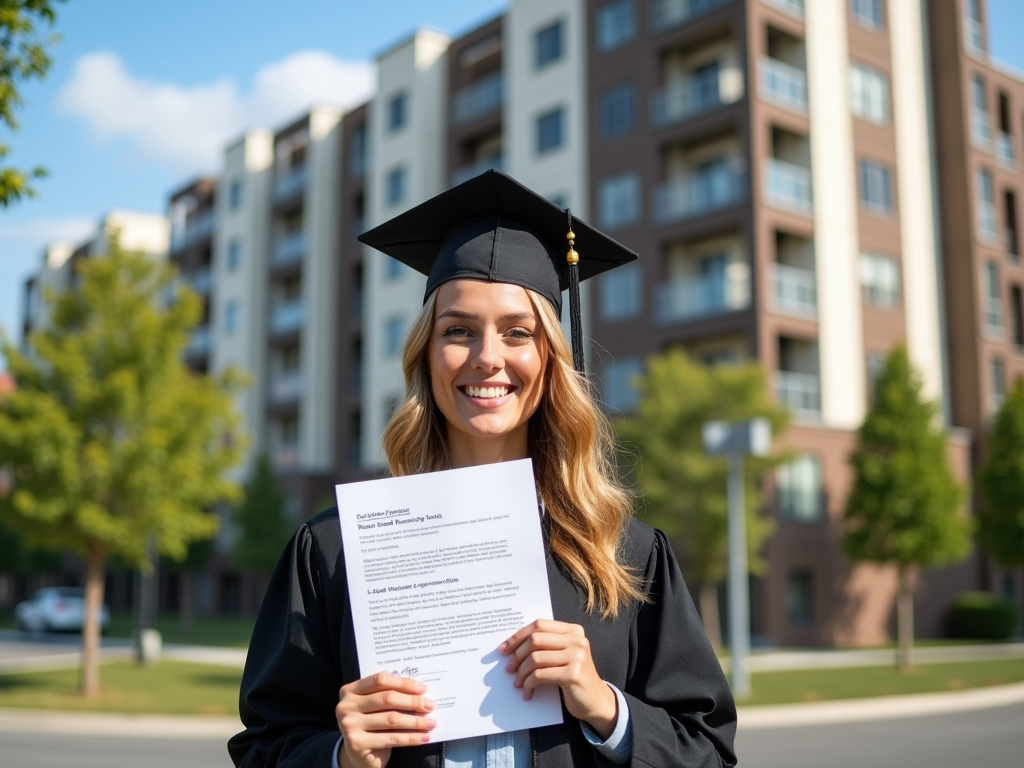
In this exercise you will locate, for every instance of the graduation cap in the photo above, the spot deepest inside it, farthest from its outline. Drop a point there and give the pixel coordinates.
(493, 228)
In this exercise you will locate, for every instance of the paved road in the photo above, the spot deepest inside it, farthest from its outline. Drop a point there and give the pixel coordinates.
(993, 738)
(47, 750)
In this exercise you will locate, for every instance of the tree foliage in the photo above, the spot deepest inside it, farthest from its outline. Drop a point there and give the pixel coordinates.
(904, 508)
(1001, 483)
(262, 521)
(23, 56)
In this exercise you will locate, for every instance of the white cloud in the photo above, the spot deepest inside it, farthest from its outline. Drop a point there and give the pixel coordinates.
(187, 126)
(46, 229)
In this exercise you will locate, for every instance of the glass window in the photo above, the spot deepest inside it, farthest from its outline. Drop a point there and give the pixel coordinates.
(235, 194)
(231, 317)
(396, 186)
(868, 13)
(234, 255)
(617, 110)
(880, 278)
(398, 108)
(875, 187)
(998, 383)
(357, 153)
(548, 44)
(617, 379)
(621, 291)
(619, 200)
(869, 93)
(800, 599)
(616, 24)
(988, 227)
(394, 331)
(800, 490)
(393, 268)
(549, 131)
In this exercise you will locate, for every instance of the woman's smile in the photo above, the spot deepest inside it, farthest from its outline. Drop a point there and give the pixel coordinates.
(487, 394)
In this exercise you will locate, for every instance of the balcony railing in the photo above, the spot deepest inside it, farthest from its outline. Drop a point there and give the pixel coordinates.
(974, 38)
(477, 99)
(700, 192)
(788, 185)
(197, 227)
(704, 296)
(201, 281)
(799, 392)
(994, 317)
(792, 7)
(988, 229)
(981, 128)
(784, 84)
(199, 343)
(287, 317)
(678, 101)
(467, 172)
(286, 388)
(666, 14)
(289, 249)
(290, 184)
(1004, 150)
(794, 290)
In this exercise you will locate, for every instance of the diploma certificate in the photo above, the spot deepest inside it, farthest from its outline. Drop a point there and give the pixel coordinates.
(442, 567)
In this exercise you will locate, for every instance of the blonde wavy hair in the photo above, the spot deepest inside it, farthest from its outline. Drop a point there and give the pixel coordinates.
(573, 451)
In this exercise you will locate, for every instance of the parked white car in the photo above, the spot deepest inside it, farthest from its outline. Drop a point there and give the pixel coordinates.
(55, 609)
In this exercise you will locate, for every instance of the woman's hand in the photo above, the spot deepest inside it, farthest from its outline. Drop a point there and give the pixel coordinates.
(559, 653)
(378, 713)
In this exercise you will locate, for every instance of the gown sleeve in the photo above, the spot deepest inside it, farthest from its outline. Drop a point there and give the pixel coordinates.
(681, 709)
(292, 672)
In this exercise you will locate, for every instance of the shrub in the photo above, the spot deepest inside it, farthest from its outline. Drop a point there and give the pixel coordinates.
(982, 616)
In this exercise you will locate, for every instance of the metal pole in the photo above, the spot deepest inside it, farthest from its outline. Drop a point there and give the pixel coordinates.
(739, 616)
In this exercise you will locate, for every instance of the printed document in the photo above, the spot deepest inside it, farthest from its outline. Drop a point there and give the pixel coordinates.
(442, 567)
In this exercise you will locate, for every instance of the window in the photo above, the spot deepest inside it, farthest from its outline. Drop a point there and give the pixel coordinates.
(616, 24)
(357, 153)
(706, 81)
(393, 268)
(620, 394)
(869, 93)
(549, 131)
(868, 13)
(981, 123)
(394, 330)
(875, 366)
(974, 31)
(799, 488)
(234, 255)
(998, 385)
(231, 318)
(875, 187)
(396, 186)
(988, 228)
(235, 194)
(1017, 316)
(619, 200)
(800, 599)
(621, 291)
(548, 45)
(398, 108)
(880, 278)
(993, 303)
(617, 110)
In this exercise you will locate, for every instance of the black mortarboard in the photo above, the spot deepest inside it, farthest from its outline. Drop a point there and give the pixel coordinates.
(493, 228)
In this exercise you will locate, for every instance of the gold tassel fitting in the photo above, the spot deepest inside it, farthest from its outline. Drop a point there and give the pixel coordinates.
(572, 257)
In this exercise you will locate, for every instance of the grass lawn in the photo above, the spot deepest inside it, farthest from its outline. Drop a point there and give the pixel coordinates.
(167, 688)
(860, 682)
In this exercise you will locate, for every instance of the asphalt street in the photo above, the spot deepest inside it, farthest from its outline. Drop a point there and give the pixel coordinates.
(993, 738)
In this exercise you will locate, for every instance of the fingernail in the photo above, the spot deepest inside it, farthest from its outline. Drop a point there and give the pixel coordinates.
(421, 686)
(426, 737)
(508, 667)
(431, 722)
(428, 703)
(503, 646)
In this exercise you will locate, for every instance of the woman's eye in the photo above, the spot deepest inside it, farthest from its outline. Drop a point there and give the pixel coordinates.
(520, 333)
(456, 331)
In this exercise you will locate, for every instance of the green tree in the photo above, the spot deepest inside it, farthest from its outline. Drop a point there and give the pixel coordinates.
(683, 490)
(262, 520)
(114, 442)
(904, 508)
(23, 56)
(1001, 483)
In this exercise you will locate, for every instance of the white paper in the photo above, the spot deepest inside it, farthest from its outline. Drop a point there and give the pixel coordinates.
(442, 567)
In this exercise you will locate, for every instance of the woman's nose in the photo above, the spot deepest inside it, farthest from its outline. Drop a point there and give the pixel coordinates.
(488, 353)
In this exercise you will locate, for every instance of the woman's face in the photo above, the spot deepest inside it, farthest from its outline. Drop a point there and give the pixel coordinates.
(487, 357)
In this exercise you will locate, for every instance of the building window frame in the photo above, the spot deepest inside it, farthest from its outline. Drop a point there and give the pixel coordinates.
(869, 93)
(398, 111)
(395, 185)
(800, 598)
(800, 490)
(876, 192)
(235, 192)
(616, 110)
(869, 14)
(880, 279)
(550, 130)
(549, 44)
(615, 24)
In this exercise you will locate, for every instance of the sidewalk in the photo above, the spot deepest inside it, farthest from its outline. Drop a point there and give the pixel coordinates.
(778, 661)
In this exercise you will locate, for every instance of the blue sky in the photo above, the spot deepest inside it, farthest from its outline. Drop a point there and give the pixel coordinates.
(143, 94)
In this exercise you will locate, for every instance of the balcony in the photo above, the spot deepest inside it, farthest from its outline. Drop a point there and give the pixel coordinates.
(478, 99)
(197, 227)
(199, 342)
(800, 393)
(290, 184)
(702, 192)
(1004, 150)
(703, 296)
(981, 128)
(974, 38)
(287, 317)
(201, 281)
(666, 14)
(286, 388)
(467, 172)
(288, 249)
(784, 84)
(686, 98)
(994, 317)
(792, 7)
(788, 185)
(794, 290)
(988, 229)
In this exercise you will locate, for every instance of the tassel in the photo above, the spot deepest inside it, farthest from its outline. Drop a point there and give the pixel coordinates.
(575, 320)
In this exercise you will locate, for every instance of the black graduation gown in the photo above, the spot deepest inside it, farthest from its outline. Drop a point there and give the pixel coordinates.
(303, 650)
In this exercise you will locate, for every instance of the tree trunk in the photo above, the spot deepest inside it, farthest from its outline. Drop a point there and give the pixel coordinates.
(709, 614)
(94, 573)
(186, 606)
(905, 617)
